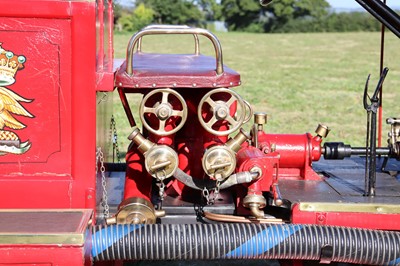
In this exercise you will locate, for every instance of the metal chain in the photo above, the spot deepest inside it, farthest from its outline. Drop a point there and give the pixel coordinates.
(114, 138)
(216, 191)
(104, 199)
(207, 194)
(160, 183)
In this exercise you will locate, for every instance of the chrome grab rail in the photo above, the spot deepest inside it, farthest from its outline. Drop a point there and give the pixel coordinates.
(166, 29)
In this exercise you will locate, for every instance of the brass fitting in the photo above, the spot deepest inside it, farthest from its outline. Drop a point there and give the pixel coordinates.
(255, 203)
(322, 131)
(161, 161)
(235, 143)
(260, 119)
(136, 211)
(219, 162)
(143, 144)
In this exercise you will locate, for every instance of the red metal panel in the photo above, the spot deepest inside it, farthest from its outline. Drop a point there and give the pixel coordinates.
(45, 81)
(42, 255)
(54, 166)
(381, 221)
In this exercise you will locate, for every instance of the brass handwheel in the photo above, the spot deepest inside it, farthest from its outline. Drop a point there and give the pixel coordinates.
(163, 110)
(221, 111)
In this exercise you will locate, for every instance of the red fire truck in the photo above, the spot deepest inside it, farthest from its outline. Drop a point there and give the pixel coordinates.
(195, 185)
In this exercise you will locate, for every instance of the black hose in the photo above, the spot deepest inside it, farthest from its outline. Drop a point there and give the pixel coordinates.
(244, 241)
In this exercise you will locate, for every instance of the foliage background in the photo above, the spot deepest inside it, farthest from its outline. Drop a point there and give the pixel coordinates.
(244, 15)
(299, 79)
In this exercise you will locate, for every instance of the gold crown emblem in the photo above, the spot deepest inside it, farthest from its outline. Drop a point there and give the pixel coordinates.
(9, 65)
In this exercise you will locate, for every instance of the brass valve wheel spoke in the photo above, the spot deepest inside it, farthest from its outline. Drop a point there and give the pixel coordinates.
(231, 120)
(177, 113)
(149, 110)
(161, 126)
(212, 121)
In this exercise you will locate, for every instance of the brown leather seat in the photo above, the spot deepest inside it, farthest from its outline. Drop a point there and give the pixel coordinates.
(174, 71)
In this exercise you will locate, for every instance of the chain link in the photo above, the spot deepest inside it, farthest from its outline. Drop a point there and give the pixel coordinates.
(114, 139)
(104, 199)
(207, 195)
(160, 178)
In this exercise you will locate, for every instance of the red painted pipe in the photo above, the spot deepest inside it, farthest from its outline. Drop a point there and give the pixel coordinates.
(295, 150)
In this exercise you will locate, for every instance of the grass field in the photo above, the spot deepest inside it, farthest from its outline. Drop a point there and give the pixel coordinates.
(300, 80)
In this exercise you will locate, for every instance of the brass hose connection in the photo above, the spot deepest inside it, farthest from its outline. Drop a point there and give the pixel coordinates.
(255, 203)
(142, 143)
(136, 211)
(161, 161)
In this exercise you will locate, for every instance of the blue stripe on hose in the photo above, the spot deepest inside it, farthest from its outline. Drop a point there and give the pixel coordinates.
(394, 262)
(111, 235)
(248, 248)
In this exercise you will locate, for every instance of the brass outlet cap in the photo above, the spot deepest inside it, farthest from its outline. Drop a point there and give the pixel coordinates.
(161, 159)
(219, 162)
(322, 130)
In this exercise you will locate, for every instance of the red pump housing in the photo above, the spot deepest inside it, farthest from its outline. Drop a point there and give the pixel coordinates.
(296, 151)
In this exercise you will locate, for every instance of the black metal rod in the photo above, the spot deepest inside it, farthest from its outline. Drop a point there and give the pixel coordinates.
(339, 150)
(362, 150)
(383, 13)
(372, 157)
(367, 155)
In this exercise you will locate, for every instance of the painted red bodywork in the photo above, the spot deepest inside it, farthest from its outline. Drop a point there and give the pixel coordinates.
(296, 151)
(378, 221)
(69, 57)
(61, 76)
(45, 255)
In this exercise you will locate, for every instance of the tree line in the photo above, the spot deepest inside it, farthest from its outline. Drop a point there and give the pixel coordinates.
(244, 15)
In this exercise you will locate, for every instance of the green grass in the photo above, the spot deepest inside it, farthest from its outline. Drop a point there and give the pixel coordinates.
(300, 80)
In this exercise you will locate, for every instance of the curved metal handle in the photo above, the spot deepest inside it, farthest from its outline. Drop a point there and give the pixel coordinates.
(173, 30)
(196, 38)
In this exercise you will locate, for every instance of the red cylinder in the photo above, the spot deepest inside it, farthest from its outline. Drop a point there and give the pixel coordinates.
(295, 150)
